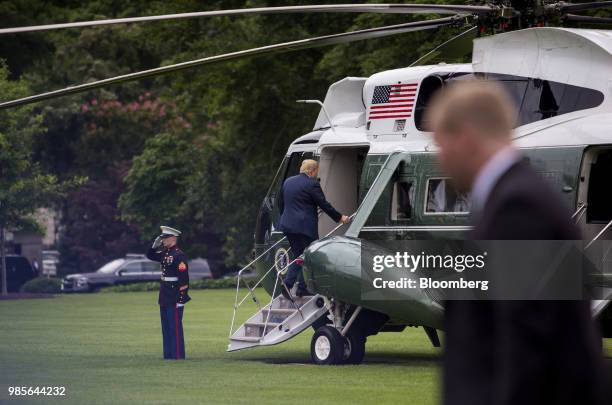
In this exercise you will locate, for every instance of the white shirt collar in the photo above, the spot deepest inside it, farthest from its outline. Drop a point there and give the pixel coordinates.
(490, 174)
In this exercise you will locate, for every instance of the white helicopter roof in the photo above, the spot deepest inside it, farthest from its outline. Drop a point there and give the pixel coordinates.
(591, 129)
(576, 57)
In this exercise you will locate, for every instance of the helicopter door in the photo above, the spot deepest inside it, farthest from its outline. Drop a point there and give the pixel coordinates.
(294, 161)
(596, 193)
(269, 214)
(340, 170)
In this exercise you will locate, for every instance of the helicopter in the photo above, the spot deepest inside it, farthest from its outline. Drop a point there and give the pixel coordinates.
(377, 161)
(380, 164)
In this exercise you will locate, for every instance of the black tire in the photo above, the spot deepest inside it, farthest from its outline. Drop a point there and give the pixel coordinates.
(327, 346)
(354, 350)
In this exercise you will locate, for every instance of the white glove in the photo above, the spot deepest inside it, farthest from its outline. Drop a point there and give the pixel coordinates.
(157, 242)
(180, 305)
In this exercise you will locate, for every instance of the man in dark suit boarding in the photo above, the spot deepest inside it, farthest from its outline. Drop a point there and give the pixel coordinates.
(300, 197)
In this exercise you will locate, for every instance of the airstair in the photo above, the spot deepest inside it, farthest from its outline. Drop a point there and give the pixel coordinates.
(278, 321)
(282, 318)
(285, 316)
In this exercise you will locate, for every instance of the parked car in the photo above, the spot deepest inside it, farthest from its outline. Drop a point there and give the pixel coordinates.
(134, 268)
(199, 269)
(18, 272)
(248, 274)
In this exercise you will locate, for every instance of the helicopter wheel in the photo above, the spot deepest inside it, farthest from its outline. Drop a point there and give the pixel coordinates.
(354, 347)
(327, 346)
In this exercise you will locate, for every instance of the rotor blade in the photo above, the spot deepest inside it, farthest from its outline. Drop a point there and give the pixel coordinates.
(569, 7)
(277, 48)
(327, 8)
(587, 19)
(458, 45)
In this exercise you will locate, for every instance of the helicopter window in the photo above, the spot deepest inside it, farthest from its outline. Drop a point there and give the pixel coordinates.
(402, 200)
(442, 198)
(545, 99)
(599, 196)
(429, 86)
(535, 99)
(295, 161)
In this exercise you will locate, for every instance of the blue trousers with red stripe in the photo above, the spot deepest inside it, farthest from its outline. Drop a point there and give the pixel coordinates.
(172, 331)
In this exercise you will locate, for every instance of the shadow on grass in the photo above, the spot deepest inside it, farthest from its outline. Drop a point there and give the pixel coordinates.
(374, 358)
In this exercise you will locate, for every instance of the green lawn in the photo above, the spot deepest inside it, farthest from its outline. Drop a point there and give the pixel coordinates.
(106, 348)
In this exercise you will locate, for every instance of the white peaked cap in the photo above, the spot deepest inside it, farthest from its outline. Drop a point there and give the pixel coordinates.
(166, 230)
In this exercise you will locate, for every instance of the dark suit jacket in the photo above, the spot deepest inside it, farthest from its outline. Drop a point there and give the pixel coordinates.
(522, 352)
(299, 198)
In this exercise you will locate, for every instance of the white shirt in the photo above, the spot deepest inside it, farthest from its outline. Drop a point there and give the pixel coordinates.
(490, 174)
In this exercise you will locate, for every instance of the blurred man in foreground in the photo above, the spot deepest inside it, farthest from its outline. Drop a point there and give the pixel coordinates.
(172, 290)
(508, 352)
(300, 197)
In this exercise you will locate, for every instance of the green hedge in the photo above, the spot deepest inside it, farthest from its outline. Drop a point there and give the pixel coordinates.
(194, 285)
(42, 285)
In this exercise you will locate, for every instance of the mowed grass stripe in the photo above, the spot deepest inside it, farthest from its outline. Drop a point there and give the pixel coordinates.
(106, 348)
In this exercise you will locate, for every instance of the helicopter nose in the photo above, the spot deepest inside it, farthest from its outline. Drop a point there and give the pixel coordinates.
(330, 261)
(333, 267)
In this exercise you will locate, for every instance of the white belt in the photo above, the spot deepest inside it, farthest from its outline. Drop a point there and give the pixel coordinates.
(169, 279)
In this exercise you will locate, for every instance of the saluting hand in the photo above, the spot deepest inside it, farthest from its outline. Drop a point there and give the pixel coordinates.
(157, 242)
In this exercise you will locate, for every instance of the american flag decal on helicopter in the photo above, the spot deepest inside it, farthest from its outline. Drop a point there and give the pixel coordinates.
(392, 101)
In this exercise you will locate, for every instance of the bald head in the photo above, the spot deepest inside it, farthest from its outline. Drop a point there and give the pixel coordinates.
(471, 121)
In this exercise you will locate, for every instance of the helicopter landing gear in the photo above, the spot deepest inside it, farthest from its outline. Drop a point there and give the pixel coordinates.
(329, 347)
(354, 348)
(335, 344)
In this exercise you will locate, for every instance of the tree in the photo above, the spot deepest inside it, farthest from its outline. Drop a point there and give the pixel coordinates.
(163, 185)
(242, 113)
(23, 185)
(112, 132)
(93, 231)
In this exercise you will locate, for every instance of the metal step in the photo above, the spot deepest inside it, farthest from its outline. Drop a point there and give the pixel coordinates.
(262, 324)
(284, 321)
(278, 315)
(285, 303)
(246, 339)
(280, 311)
(256, 328)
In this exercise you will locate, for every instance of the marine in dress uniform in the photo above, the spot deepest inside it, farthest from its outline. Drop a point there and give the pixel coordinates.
(173, 290)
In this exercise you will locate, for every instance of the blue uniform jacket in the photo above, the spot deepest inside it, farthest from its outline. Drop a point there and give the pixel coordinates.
(299, 198)
(173, 264)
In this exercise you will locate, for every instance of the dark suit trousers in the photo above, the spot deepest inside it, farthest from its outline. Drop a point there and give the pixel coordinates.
(172, 332)
(298, 243)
